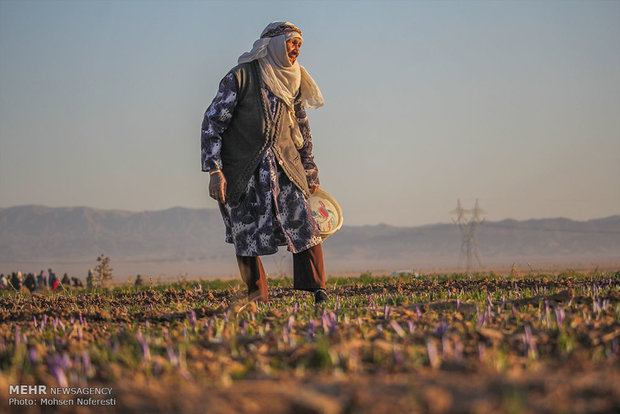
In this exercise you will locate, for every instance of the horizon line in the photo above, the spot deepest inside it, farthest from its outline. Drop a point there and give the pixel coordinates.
(350, 225)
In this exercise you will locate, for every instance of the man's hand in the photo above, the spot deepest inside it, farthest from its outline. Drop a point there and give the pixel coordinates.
(314, 188)
(217, 187)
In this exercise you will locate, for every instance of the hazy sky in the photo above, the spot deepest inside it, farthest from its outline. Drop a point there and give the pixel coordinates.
(514, 103)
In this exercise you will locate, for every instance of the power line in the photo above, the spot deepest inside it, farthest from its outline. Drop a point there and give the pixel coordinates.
(503, 226)
(469, 221)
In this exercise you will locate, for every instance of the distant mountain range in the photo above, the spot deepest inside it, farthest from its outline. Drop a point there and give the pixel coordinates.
(181, 240)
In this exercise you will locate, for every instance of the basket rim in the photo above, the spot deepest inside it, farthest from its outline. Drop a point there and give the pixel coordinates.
(320, 193)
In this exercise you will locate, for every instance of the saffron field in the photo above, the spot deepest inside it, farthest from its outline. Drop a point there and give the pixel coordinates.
(434, 343)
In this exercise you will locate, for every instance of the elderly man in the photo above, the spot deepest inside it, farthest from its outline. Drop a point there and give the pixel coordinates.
(257, 148)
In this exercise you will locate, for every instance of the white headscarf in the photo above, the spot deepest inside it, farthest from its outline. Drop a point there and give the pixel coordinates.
(283, 79)
(280, 76)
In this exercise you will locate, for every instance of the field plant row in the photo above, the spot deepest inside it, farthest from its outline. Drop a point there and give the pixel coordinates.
(206, 332)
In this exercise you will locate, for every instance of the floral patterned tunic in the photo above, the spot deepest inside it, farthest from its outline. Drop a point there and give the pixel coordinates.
(273, 211)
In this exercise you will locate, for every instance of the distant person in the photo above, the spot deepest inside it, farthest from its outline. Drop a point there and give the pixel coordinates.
(16, 280)
(139, 281)
(65, 280)
(257, 149)
(40, 280)
(4, 282)
(30, 282)
(77, 282)
(52, 279)
(51, 276)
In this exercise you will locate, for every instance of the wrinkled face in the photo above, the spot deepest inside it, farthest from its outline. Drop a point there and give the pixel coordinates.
(292, 48)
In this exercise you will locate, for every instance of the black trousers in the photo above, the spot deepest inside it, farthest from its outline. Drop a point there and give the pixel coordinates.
(308, 272)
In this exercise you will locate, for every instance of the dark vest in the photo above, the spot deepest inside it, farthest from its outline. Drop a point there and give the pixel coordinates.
(252, 130)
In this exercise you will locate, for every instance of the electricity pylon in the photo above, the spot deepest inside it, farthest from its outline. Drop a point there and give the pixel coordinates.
(469, 221)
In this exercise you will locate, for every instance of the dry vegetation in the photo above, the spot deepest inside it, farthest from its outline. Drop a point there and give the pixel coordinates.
(487, 343)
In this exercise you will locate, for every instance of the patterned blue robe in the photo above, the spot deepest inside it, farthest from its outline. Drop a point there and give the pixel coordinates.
(273, 211)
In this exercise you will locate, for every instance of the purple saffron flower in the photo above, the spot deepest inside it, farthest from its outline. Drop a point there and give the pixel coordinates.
(559, 316)
(417, 311)
(146, 353)
(64, 361)
(172, 356)
(285, 334)
(605, 304)
(325, 321)
(458, 304)
(81, 318)
(528, 342)
(446, 349)
(312, 324)
(33, 356)
(399, 359)
(329, 321)
(311, 329)
(79, 332)
(86, 365)
(433, 357)
(482, 320)
(441, 329)
(411, 326)
(192, 319)
(59, 375)
(387, 311)
(547, 315)
(333, 319)
(399, 331)
(34, 321)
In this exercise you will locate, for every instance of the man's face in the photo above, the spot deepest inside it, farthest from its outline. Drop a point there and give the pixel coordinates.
(292, 49)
